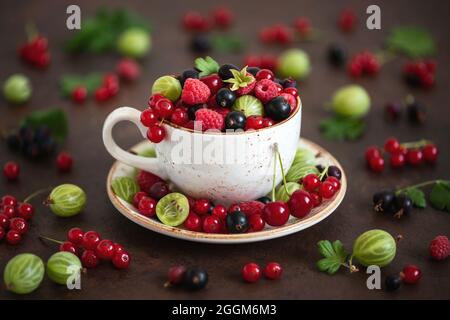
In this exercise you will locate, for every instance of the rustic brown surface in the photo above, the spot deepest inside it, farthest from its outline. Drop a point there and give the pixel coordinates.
(152, 253)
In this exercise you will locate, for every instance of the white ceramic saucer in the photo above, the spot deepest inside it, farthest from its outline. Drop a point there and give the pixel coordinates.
(293, 225)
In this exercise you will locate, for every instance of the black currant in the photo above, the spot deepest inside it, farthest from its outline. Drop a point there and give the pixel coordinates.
(413, 80)
(392, 282)
(264, 200)
(334, 171)
(384, 201)
(403, 205)
(416, 112)
(193, 74)
(237, 222)
(392, 111)
(225, 71)
(278, 109)
(253, 70)
(336, 55)
(225, 98)
(289, 83)
(235, 120)
(195, 278)
(200, 43)
(192, 110)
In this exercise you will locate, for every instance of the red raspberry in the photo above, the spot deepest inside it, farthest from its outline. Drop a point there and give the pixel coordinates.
(440, 248)
(251, 207)
(222, 111)
(195, 92)
(266, 90)
(290, 99)
(246, 90)
(210, 119)
(146, 180)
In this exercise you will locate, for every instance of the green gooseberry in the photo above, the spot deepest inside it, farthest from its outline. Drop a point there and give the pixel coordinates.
(351, 101)
(17, 89)
(134, 43)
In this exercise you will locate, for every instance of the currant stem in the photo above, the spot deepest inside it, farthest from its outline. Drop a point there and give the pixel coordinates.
(415, 144)
(51, 240)
(36, 193)
(419, 185)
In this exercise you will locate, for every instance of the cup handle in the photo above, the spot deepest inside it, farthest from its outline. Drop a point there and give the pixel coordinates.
(143, 163)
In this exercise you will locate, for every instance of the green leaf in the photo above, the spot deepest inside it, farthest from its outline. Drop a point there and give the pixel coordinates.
(69, 82)
(54, 119)
(417, 196)
(340, 128)
(412, 41)
(440, 195)
(334, 256)
(125, 188)
(227, 43)
(206, 66)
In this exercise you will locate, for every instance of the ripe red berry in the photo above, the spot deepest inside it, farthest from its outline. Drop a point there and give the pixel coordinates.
(118, 248)
(68, 247)
(315, 198)
(64, 162)
(391, 145)
(256, 223)
(9, 211)
(291, 90)
(411, 274)
(430, 153)
(4, 221)
(147, 206)
(439, 248)
(355, 68)
(414, 157)
(111, 83)
(79, 94)
(137, 197)
(268, 122)
(148, 117)
(105, 249)
(164, 108)
(334, 181)
(11, 170)
(219, 211)
(303, 26)
(202, 206)
(19, 225)
(8, 200)
(251, 272)
(75, 236)
(211, 224)
(176, 275)
(121, 260)
(276, 213)
(13, 237)
(376, 164)
(283, 34)
(254, 122)
(372, 152)
(273, 271)
(156, 133)
(398, 160)
(90, 240)
(311, 182)
(101, 94)
(264, 74)
(193, 222)
(179, 117)
(89, 259)
(300, 204)
(2, 232)
(327, 190)
(128, 69)
(347, 20)
(223, 17)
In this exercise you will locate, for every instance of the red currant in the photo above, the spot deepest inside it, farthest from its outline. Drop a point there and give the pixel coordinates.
(269, 61)
(68, 247)
(300, 204)
(264, 74)
(111, 83)
(121, 260)
(9, 211)
(118, 248)
(276, 213)
(13, 237)
(316, 199)
(223, 17)
(176, 275)
(254, 122)
(128, 69)
(193, 20)
(372, 152)
(211, 224)
(79, 94)
(75, 236)
(154, 99)
(430, 153)
(273, 271)
(89, 259)
(283, 34)
(19, 225)
(398, 160)
(101, 94)
(105, 249)
(376, 164)
(411, 274)
(9, 201)
(334, 181)
(391, 145)
(193, 222)
(220, 212)
(327, 190)
(311, 182)
(90, 240)
(256, 223)
(11, 170)
(156, 133)
(251, 272)
(347, 20)
(4, 221)
(179, 117)
(148, 117)
(303, 26)
(164, 108)
(202, 206)
(137, 197)
(291, 90)
(268, 122)
(147, 206)
(414, 157)
(355, 69)
(64, 162)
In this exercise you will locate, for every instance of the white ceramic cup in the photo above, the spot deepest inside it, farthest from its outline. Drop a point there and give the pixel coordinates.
(243, 171)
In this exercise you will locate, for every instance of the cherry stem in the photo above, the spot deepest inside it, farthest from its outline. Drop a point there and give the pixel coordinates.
(419, 185)
(282, 171)
(34, 194)
(415, 144)
(51, 240)
(323, 173)
(274, 173)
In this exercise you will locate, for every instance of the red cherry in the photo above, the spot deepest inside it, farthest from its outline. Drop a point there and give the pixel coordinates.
(193, 222)
(137, 197)
(376, 164)
(264, 74)
(179, 117)
(276, 213)
(214, 82)
(292, 91)
(64, 161)
(154, 99)
(311, 182)
(256, 223)
(254, 122)
(19, 225)
(220, 212)
(335, 182)
(128, 69)
(414, 157)
(68, 247)
(147, 206)
(9, 200)
(202, 206)
(164, 108)
(430, 153)
(105, 249)
(372, 152)
(4, 221)
(121, 260)
(251, 272)
(11, 170)
(327, 190)
(156, 133)
(398, 160)
(211, 224)
(316, 199)
(176, 275)
(300, 204)
(89, 259)
(13, 237)
(411, 274)
(101, 94)
(158, 190)
(391, 145)
(90, 240)
(79, 94)
(75, 236)
(223, 17)
(148, 117)
(273, 271)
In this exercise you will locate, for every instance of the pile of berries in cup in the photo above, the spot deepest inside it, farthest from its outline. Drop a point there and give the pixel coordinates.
(224, 99)
(92, 249)
(412, 153)
(14, 217)
(420, 73)
(35, 52)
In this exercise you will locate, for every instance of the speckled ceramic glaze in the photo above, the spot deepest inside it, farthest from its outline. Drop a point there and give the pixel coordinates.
(241, 170)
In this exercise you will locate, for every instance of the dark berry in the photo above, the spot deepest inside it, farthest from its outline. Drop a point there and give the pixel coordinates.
(278, 109)
(225, 71)
(195, 278)
(235, 120)
(225, 97)
(403, 205)
(416, 113)
(159, 190)
(334, 171)
(393, 282)
(192, 110)
(264, 200)
(289, 83)
(200, 43)
(384, 201)
(253, 70)
(413, 80)
(336, 55)
(237, 222)
(176, 275)
(392, 111)
(188, 74)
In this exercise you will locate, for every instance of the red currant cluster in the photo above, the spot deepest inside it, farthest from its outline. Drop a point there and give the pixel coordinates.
(363, 63)
(277, 34)
(11, 171)
(221, 17)
(35, 52)
(160, 108)
(92, 249)
(251, 272)
(14, 217)
(347, 20)
(265, 61)
(413, 153)
(420, 73)
(410, 274)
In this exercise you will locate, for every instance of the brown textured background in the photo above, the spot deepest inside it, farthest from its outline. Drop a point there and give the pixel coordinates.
(153, 254)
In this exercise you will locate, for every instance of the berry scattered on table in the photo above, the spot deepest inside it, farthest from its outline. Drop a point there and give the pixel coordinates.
(439, 248)
(251, 272)
(35, 51)
(128, 69)
(64, 162)
(34, 143)
(420, 73)
(364, 63)
(11, 171)
(273, 271)
(392, 282)
(336, 55)
(17, 89)
(347, 20)
(411, 274)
